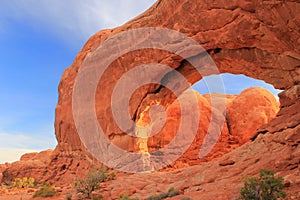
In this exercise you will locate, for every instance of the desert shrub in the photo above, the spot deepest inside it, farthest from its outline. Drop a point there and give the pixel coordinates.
(92, 181)
(111, 176)
(23, 182)
(266, 187)
(126, 197)
(45, 191)
(171, 193)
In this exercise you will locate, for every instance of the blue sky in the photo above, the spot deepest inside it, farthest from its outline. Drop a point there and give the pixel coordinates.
(39, 39)
(233, 84)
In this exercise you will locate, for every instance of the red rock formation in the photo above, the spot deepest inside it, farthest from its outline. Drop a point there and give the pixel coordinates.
(3, 167)
(34, 164)
(245, 113)
(240, 36)
(222, 177)
(30, 165)
(249, 111)
(257, 38)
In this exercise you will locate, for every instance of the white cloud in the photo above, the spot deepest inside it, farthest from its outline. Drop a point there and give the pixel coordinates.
(72, 19)
(27, 141)
(12, 146)
(13, 154)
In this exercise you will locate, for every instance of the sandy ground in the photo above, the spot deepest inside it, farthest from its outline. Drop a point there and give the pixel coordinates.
(27, 197)
(16, 197)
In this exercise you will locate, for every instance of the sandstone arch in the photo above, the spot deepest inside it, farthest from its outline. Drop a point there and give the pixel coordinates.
(258, 39)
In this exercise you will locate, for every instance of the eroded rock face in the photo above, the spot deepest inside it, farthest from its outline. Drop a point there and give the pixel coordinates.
(221, 178)
(244, 114)
(257, 38)
(30, 165)
(51, 166)
(3, 167)
(249, 111)
(263, 104)
(240, 36)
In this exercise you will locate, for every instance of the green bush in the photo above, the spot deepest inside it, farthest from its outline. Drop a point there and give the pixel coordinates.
(266, 187)
(111, 176)
(92, 181)
(45, 191)
(171, 193)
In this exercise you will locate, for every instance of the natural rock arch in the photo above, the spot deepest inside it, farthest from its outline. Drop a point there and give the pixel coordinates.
(258, 39)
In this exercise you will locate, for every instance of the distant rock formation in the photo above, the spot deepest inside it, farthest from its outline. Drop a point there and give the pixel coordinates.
(30, 165)
(3, 167)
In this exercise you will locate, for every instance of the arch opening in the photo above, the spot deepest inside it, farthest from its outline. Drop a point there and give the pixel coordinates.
(234, 84)
(250, 104)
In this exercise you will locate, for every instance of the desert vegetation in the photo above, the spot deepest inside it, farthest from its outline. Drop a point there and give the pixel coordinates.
(24, 183)
(91, 182)
(171, 193)
(28, 185)
(46, 190)
(18, 185)
(264, 187)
